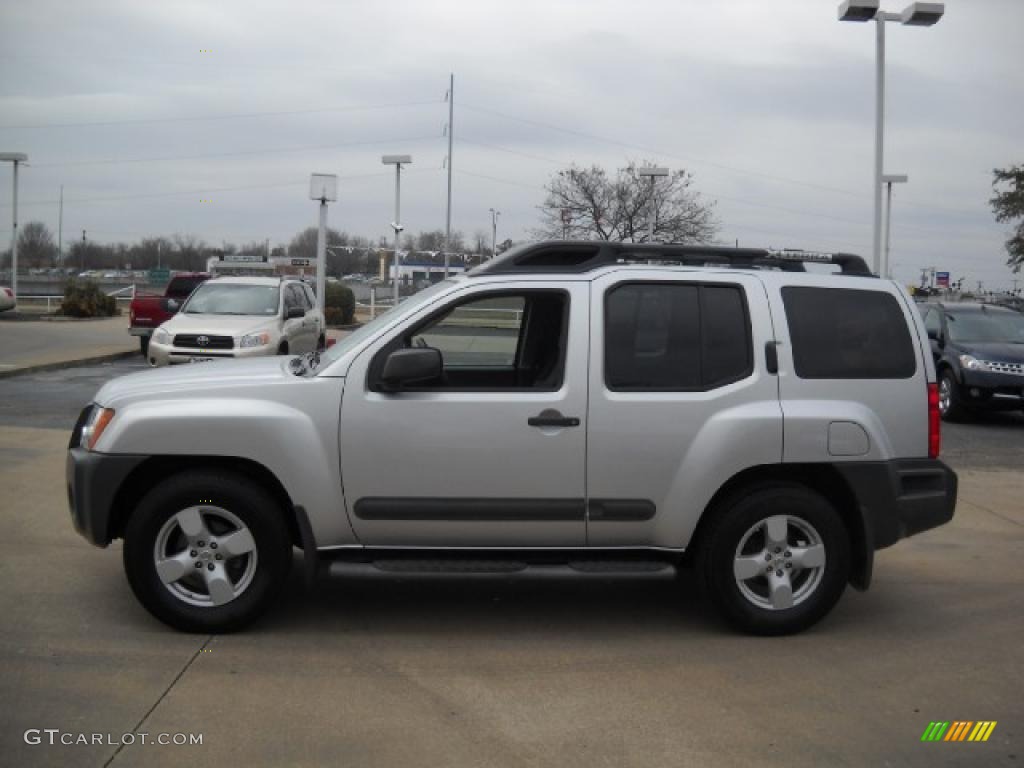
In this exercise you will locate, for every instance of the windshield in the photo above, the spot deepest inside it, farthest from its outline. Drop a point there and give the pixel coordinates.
(233, 299)
(985, 326)
(407, 307)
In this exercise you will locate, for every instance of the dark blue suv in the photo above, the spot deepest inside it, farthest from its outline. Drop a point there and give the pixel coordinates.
(979, 357)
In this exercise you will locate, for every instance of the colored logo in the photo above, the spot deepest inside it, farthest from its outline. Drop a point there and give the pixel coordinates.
(959, 730)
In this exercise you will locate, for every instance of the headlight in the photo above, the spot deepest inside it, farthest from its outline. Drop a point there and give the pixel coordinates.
(973, 363)
(98, 420)
(160, 336)
(254, 340)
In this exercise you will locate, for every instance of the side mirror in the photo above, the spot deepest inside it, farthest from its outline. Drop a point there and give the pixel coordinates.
(293, 313)
(420, 365)
(172, 305)
(935, 335)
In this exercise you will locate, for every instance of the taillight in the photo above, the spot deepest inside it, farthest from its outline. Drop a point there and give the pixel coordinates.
(934, 431)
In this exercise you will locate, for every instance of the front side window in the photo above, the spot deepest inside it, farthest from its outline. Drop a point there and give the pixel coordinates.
(676, 337)
(846, 333)
(501, 341)
(213, 298)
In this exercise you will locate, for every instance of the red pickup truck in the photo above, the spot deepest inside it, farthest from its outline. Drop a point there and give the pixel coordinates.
(148, 311)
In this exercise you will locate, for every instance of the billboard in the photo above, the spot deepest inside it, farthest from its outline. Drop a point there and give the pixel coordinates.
(942, 279)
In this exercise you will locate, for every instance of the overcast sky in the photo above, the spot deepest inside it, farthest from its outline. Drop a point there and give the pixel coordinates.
(208, 117)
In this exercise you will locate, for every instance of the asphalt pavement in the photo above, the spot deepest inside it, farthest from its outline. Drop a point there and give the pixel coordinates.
(405, 672)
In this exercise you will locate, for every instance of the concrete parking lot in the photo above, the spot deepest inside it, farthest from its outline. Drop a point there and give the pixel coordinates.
(401, 672)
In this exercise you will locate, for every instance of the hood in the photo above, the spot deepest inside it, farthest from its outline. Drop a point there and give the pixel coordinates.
(993, 351)
(195, 379)
(219, 325)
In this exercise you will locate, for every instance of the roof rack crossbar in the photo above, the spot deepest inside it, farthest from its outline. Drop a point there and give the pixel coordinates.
(585, 256)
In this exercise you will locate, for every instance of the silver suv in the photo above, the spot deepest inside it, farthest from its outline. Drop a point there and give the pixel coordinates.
(584, 408)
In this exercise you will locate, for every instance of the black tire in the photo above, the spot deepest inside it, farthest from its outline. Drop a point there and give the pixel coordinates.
(144, 345)
(282, 348)
(259, 512)
(730, 523)
(321, 343)
(956, 410)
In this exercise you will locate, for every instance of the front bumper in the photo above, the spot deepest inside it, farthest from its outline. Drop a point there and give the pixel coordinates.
(167, 354)
(989, 389)
(93, 480)
(900, 498)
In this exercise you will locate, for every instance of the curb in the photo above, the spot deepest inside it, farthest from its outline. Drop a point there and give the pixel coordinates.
(8, 373)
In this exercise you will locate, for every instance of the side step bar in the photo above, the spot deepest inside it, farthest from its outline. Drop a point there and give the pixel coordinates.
(499, 569)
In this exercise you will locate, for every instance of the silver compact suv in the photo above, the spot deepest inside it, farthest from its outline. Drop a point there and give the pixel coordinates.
(576, 408)
(230, 317)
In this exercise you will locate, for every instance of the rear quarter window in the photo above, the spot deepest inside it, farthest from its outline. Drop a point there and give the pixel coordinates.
(845, 333)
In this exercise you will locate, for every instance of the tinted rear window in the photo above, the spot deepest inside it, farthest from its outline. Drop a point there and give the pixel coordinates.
(675, 337)
(843, 333)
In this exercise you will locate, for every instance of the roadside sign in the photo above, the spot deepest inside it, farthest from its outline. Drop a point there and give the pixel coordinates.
(158, 276)
(301, 262)
(942, 279)
(244, 258)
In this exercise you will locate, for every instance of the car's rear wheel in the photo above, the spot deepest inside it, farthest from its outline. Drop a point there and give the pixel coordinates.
(282, 348)
(774, 560)
(951, 407)
(144, 345)
(207, 551)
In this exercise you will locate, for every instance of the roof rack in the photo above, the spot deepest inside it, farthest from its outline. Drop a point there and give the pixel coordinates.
(579, 256)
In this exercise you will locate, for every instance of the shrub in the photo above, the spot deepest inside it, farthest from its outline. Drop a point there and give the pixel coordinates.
(339, 304)
(85, 299)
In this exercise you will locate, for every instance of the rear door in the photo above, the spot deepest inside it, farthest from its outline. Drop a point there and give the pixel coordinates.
(680, 400)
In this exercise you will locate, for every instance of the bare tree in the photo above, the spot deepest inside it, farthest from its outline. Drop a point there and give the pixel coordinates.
(586, 204)
(191, 252)
(35, 245)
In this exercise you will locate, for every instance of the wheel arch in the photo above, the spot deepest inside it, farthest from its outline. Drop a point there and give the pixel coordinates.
(823, 479)
(157, 468)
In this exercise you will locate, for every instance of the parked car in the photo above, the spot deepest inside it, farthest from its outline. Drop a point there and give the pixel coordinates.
(228, 317)
(7, 299)
(573, 406)
(149, 311)
(978, 351)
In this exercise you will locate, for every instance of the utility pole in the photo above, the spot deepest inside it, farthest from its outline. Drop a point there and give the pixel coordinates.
(60, 228)
(83, 250)
(494, 232)
(448, 211)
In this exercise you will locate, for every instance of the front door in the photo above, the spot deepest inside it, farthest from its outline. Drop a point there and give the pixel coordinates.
(493, 453)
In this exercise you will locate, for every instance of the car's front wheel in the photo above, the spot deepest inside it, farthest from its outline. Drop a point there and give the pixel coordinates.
(207, 551)
(774, 560)
(950, 406)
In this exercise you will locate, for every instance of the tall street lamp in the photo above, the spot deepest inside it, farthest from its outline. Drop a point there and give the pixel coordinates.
(398, 161)
(494, 232)
(653, 174)
(889, 179)
(14, 158)
(322, 187)
(914, 15)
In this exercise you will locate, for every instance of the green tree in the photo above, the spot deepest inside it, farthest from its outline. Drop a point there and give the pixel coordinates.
(1008, 206)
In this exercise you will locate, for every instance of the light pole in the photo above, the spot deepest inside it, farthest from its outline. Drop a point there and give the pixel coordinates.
(889, 180)
(448, 163)
(653, 174)
(322, 187)
(14, 158)
(494, 232)
(914, 15)
(398, 161)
